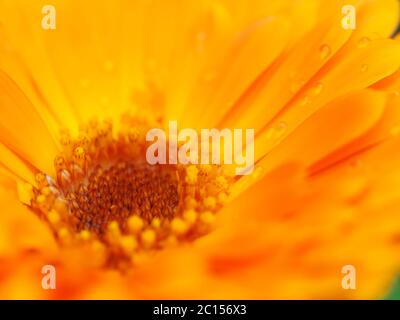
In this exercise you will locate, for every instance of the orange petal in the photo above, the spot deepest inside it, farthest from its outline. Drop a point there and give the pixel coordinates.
(277, 87)
(252, 53)
(359, 69)
(22, 130)
(390, 84)
(387, 126)
(16, 167)
(337, 124)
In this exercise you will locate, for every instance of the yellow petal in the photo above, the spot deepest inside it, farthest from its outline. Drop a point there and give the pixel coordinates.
(22, 130)
(332, 127)
(359, 69)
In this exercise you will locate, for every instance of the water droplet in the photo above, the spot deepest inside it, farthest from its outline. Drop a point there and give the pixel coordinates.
(277, 131)
(364, 68)
(305, 100)
(355, 164)
(317, 88)
(282, 126)
(270, 133)
(296, 85)
(324, 51)
(257, 172)
(364, 41)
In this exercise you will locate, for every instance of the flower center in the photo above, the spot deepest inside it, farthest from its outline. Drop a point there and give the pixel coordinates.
(120, 190)
(105, 194)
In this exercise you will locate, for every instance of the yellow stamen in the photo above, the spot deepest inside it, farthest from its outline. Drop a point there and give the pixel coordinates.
(178, 226)
(135, 224)
(148, 238)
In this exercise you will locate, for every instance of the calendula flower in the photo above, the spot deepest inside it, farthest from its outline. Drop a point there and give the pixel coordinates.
(76, 190)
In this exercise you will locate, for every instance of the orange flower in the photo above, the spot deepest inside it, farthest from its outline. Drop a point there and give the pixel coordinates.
(76, 192)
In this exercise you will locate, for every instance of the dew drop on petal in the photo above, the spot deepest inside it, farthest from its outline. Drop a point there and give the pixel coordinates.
(277, 131)
(364, 41)
(324, 51)
(296, 85)
(270, 133)
(364, 68)
(281, 129)
(305, 100)
(355, 164)
(316, 90)
(257, 172)
(282, 126)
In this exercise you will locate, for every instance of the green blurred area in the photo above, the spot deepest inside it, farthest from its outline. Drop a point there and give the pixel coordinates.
(394, 293)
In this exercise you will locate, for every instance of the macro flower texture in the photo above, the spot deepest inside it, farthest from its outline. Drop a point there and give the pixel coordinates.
(76, 192)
